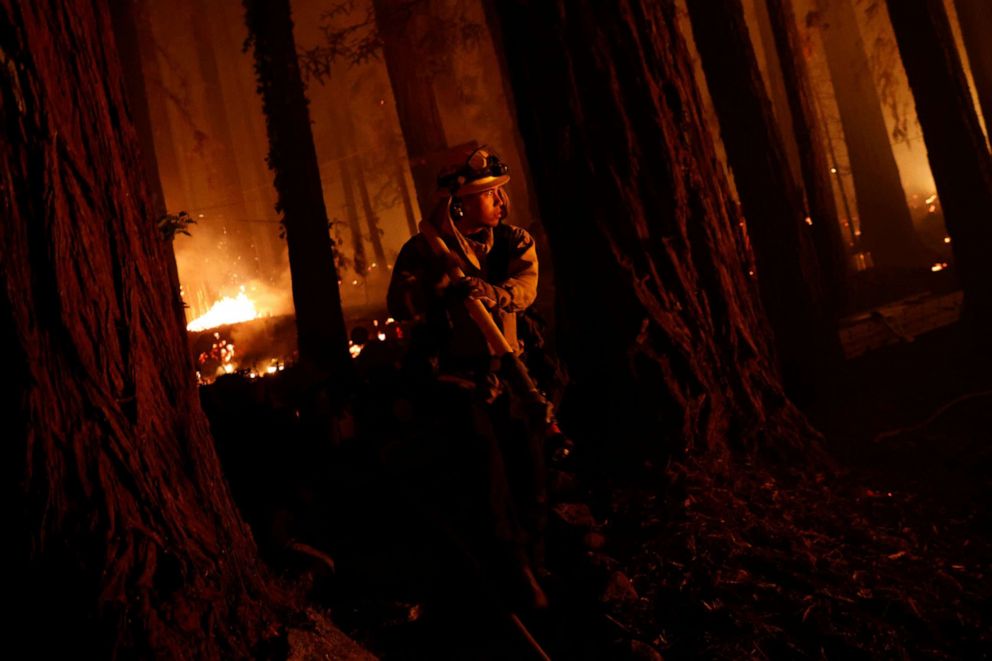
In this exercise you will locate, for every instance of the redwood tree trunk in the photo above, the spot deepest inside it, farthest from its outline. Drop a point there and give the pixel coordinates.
(788, 273)
(886, 225)
(813, 161)
(323, 340)
(416, 106)
(125, 536)
(959, 156)
(666, 346)
(975, 18)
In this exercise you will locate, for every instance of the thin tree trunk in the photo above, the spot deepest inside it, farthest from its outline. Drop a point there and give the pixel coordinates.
(323, 340)
(666, 346)
(883, 212)
(371, 219)
(788, 273)
(127, 542)
(360, 261)
(975, 18)
(411, 215)
(416, 106)
(959, 156)
(777, 90)
(224, 155)
(812, 154)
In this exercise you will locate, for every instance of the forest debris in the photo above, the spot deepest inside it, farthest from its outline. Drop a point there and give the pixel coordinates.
(619, 588)
(576, 515)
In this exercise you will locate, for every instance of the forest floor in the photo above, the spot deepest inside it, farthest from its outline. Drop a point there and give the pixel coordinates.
(885, 553)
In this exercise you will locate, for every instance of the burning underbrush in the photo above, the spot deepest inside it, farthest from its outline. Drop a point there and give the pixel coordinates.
(255, 347)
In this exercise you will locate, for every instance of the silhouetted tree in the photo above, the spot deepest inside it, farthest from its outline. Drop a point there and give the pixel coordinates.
(666, 345)
(813, 161)
(124, 537)
(788, 273)
(959, 156)
(886, 225)
(323, 340)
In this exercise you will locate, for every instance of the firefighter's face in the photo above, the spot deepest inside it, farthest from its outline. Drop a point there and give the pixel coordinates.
(483, 209)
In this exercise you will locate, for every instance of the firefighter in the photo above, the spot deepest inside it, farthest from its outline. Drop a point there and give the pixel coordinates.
(492, 463)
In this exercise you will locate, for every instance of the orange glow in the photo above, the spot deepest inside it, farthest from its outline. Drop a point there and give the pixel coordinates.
(225, 311)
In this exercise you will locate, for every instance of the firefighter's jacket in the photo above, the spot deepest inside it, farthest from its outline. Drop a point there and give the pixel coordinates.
(504, 256)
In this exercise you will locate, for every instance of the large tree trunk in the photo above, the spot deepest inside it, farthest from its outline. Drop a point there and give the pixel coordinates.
(788, 273)
(886, 225)
(665, 343)
(812, 153)
(959, 156)
(975, 18)
(126, 539)
(323, 340)
(416, 106)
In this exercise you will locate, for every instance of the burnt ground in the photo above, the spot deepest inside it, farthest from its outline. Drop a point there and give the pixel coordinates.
(884, 553)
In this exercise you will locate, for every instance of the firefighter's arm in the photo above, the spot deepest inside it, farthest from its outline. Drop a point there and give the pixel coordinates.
(521, 284)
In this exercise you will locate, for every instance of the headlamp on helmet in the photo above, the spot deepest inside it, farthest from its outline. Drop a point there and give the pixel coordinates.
(481, 171)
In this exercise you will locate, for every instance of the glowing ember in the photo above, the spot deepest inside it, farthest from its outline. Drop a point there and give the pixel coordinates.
(939, 266)
(809, 221)
(931, 199)
(225, 311)
(947, 239)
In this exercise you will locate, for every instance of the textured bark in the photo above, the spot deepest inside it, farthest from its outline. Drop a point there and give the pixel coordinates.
(813, 162)
(959, 156)
(666, 345)
(788, 272)
(416, 106)
(975, 18)
(125, 536)
(323, 341)
(886, 225)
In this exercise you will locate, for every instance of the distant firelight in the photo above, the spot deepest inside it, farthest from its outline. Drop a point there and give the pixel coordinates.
(225, 311)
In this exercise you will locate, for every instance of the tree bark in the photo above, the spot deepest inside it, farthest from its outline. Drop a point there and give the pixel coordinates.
(126, 538)
(789, 277)
(416, 106)
(815, 168)
(975, 18)
(883, 212)
(956, 147)
(323, 340)
(666, 346)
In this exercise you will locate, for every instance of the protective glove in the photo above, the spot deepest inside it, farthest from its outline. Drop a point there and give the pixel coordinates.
(472, 288)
